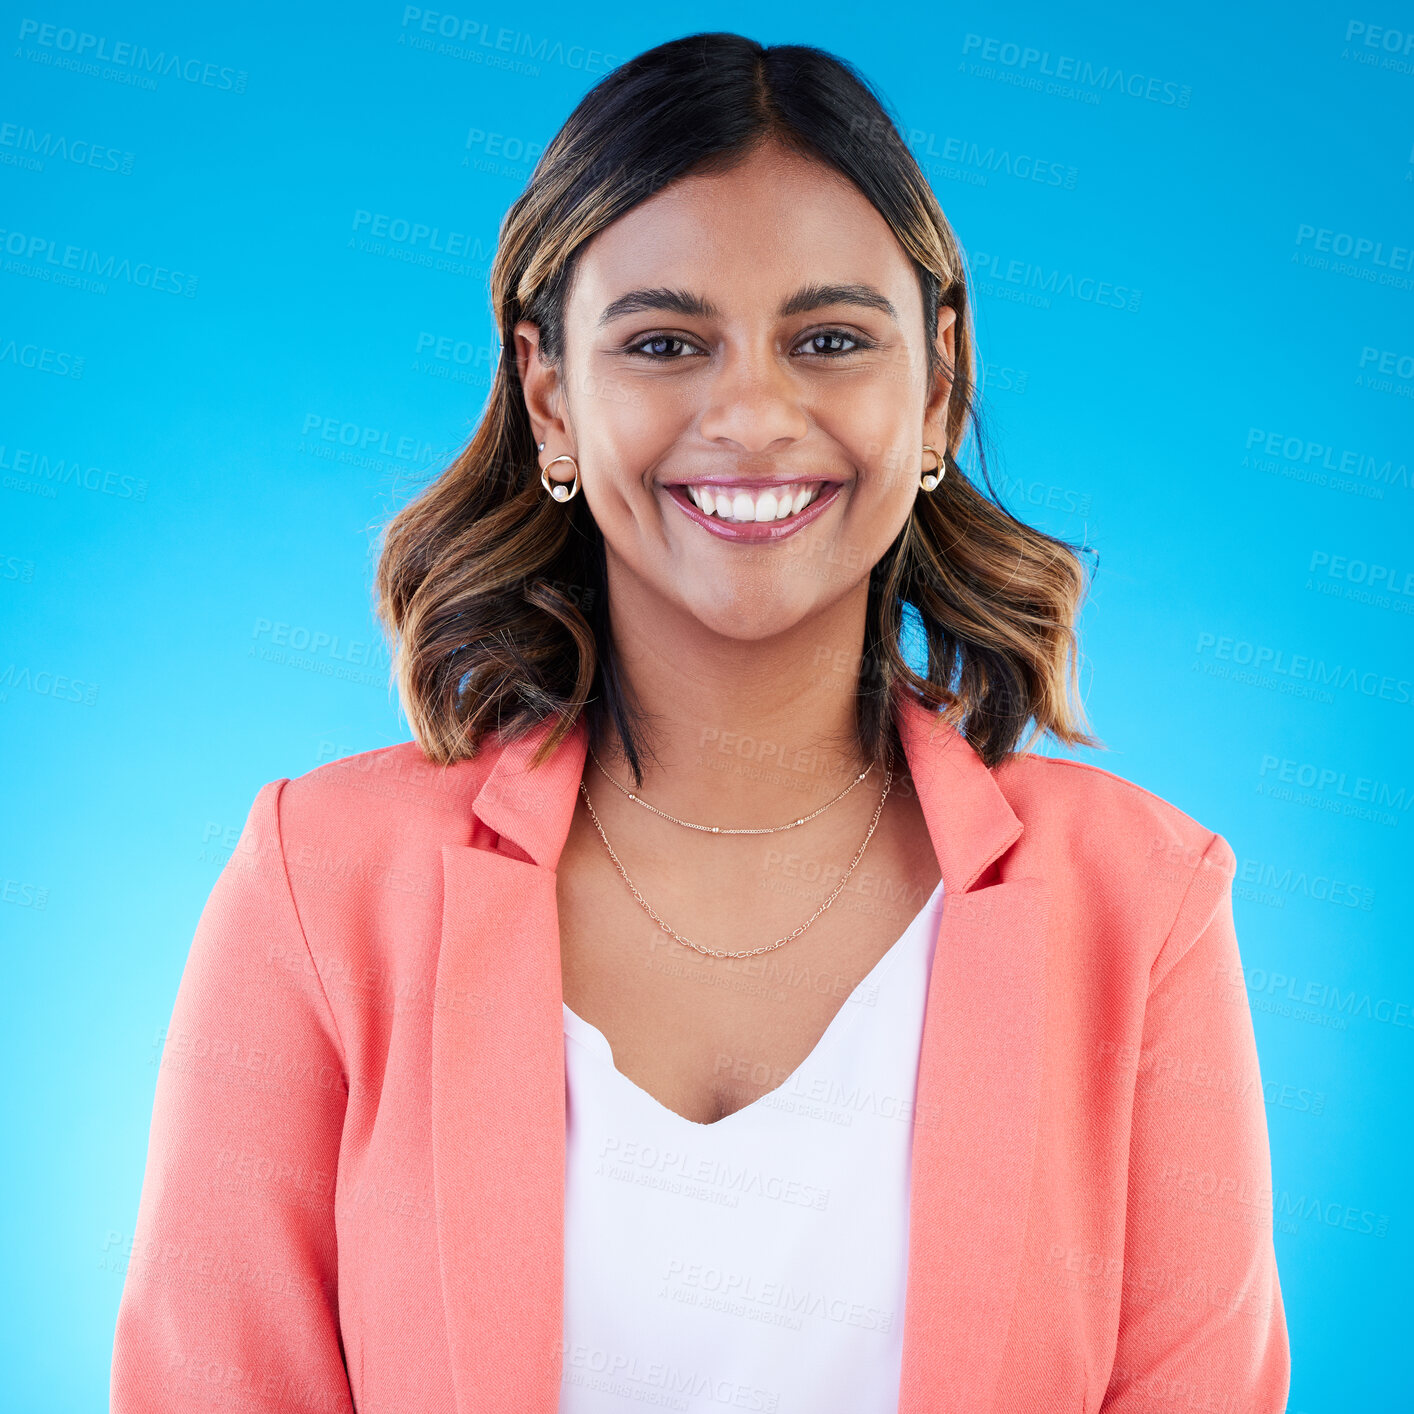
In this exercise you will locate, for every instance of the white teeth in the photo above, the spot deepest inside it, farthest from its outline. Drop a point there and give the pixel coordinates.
(778, 503)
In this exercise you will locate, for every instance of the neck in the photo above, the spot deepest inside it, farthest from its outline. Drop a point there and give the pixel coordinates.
(738, 733)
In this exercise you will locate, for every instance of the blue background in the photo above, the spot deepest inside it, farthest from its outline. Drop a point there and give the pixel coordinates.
(192, 481)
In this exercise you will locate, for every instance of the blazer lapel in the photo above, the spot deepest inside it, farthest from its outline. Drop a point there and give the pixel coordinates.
(498, 1088)
(979, 1082)
(498, 1094)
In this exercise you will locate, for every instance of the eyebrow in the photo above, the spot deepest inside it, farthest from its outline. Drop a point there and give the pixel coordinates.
(808, 297)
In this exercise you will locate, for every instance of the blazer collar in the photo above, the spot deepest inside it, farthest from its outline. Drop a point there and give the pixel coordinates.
(498, 1086)
(969, 820)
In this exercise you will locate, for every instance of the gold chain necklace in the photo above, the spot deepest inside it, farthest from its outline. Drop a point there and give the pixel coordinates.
(722, 829)
(752, 952)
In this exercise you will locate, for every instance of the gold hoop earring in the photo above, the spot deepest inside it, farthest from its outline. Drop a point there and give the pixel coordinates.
(559, 490)
(930, 479)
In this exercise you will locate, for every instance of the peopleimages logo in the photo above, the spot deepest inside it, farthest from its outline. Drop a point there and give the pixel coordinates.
(1378, 46)
(1386, 371)
(41, 359)
(81, 46)
(22, 146)
(1356, 247)
(1345, 467)
(27, 469)
(1300, 668)
(45, 258)
(978, 162)
(1401, 365)
(1335, 781)
(1034, 65)
(464, 37)
(1028, 283)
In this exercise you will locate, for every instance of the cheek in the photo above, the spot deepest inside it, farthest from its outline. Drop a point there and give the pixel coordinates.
(886, 457)
(878, 427)
(627, 435)
(619, 451)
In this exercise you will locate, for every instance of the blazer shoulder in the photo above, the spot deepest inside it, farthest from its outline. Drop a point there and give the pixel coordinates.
(1104, 803)
(1148, 869)
(1133, 853)
(386, 798)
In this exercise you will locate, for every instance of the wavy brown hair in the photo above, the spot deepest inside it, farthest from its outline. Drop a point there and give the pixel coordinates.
(494, 595)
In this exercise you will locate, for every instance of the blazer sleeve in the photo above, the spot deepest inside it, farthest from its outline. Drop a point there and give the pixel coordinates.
(1202, 1323)
(230, 1295)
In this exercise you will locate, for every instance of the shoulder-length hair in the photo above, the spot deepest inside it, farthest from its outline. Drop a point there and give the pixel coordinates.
(494, 595)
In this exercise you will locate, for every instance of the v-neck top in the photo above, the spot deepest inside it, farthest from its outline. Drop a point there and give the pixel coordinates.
(758, 1262)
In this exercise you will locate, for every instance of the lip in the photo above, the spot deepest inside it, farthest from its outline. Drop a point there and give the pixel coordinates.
(750, 483)
(754, 530)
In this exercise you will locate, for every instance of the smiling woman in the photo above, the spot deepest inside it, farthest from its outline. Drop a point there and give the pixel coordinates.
(726, 275)
(835, 1055)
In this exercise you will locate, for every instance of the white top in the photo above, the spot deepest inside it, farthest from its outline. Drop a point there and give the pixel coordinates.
(759, 1262)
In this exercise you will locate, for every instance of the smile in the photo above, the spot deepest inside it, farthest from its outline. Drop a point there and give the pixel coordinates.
(737, 512)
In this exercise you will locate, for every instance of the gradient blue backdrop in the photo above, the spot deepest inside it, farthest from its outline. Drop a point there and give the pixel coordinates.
(1191, 237)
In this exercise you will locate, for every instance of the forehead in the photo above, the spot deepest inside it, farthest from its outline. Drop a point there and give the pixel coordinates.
(752, 234)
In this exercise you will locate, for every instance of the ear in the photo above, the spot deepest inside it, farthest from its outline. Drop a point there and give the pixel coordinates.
(540, 383)
(935, 412)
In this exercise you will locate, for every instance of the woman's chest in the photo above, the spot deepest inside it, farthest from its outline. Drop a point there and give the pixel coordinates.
(706, 1036)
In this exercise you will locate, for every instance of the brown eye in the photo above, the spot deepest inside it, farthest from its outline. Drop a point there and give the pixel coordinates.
(835, 337)
(653, 346)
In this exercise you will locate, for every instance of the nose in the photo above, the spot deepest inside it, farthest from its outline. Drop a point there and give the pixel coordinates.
(753, 404)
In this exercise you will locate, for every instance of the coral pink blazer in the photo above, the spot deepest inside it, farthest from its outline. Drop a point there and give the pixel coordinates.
(354, 1188)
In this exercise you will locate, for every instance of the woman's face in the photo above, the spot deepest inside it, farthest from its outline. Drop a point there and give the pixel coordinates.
(738, 346)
